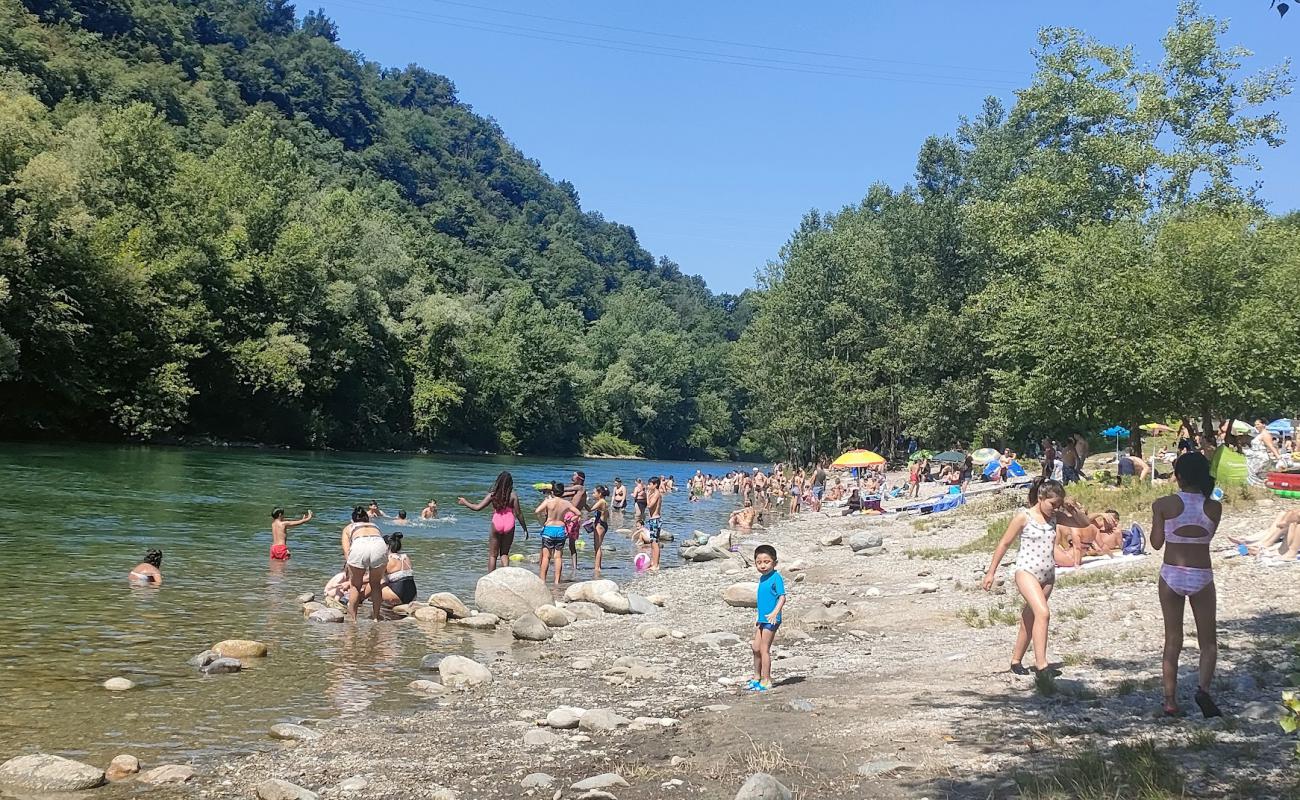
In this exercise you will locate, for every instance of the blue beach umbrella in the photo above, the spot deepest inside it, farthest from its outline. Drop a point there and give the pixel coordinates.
(1119, 432)
(1282, 427)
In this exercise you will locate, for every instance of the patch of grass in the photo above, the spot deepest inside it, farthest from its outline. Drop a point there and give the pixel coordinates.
(1130, 685)
(1201, 739)
(1077, 612)
(1107, 577)
(1138, 771)
(983, 544)
(1076, 660)
(1001, 614)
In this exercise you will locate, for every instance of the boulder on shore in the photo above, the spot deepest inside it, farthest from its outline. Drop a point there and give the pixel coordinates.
(430, 614)
(480, 621)
(459, 672)
(48, 773)
(451, 604)
(276, 789)
(167, 773)
(762, 786)
(585, 610)
(554, 616)
(741, 595)
(510, 592)
(637, 604)
(866, 540)
(588, 591)
(530, 628)
(123, 766)
(240, 648)
(294, 733)
(614, 603)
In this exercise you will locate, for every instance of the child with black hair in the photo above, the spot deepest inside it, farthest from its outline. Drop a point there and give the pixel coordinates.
(771, 600)
(147, 572)
(280, 532)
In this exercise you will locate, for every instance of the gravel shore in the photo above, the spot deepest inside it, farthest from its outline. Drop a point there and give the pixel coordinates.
(891, 677)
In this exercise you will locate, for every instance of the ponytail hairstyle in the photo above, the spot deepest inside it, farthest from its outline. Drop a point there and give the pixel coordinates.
(359, 514)
(1044, 488)
(602, 491)
(1193, 470)
(394, 542)
(153, 557)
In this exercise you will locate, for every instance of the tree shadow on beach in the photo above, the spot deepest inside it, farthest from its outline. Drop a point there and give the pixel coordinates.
(1099, 729)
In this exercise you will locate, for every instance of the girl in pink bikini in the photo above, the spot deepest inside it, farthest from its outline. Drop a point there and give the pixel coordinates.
(506, 513)
(1187, 521)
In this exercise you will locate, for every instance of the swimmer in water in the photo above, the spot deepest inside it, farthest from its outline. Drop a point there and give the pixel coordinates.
(280, 532)
(373, 511)
(148, 572)
(430, 511)
(401, 517)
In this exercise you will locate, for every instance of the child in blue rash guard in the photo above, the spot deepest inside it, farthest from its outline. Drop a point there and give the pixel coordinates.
(771, 599)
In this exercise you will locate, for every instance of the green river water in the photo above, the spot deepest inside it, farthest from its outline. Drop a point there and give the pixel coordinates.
(76, 519)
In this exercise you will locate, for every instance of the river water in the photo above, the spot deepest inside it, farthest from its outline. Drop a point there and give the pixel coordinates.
(76, 519)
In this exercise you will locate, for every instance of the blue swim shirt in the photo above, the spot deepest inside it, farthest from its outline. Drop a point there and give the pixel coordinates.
(771, 588)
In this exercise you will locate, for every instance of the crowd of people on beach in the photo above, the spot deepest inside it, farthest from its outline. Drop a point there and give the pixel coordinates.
(1051, 531)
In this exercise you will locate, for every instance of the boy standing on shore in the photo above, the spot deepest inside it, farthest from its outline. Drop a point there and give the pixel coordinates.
(771, 600)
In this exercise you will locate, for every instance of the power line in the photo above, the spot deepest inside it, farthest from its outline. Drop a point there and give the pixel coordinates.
(728, 43)
(640, 48)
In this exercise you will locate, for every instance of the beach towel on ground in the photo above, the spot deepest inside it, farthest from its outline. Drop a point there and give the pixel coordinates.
(1098, 562)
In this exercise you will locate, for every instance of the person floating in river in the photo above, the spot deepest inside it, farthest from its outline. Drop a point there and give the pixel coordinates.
(280, 532)
(148, 572)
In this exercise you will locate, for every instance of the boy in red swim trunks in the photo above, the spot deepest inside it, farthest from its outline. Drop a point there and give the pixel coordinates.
(280, 532)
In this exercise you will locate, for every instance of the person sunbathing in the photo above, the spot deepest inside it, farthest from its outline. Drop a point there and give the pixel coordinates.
(1109, 535)
(1067, 551)
(1277, 532)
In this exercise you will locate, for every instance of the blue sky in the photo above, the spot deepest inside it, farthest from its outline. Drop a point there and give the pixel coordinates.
(714, 163)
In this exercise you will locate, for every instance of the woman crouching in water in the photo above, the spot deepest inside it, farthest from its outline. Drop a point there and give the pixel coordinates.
(1035, 564)
(1187, 521)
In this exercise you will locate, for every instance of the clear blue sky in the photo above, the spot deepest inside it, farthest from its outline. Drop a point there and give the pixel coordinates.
(714, 163)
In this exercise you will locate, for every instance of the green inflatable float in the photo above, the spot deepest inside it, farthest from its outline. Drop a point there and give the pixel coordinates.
(1228, 467)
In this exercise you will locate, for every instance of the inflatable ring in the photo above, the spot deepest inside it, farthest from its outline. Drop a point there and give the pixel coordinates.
(516, 557)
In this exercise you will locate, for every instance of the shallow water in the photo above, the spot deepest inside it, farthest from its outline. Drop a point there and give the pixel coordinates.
(76, 519)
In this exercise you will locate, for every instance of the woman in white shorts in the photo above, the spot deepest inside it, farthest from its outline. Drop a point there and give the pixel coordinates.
(366, 556)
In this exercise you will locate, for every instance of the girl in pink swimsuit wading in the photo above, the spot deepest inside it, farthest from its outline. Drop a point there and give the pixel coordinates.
(506, 513)
(1187, 521)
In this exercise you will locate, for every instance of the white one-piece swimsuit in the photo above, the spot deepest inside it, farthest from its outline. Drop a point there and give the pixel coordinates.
(1037, 543)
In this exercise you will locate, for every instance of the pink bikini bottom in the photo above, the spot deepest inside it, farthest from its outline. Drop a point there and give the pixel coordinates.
(1186, 581)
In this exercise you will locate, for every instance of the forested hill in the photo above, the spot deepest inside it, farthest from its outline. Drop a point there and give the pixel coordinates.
(216, 220)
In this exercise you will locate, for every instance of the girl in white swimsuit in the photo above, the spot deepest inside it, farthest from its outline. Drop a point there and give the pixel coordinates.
(366, 556)
(1035, 565)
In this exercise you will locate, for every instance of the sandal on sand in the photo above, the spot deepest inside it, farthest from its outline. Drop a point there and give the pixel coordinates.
(1019, 669)
(1170, 708)
(1206, 704)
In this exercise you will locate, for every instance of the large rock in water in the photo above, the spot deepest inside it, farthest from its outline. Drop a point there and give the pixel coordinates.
(168, 773)
(510, 592)
(530, 628)
(47, 773)
(451, 604)
(762, 786)
(865, 540)
(122, 767)
(588, 591)
(240, 648)
(741, 595)
(459, 672)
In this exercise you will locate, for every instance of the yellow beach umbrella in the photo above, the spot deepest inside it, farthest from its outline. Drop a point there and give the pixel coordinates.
(1155, 427)
(859, 458)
